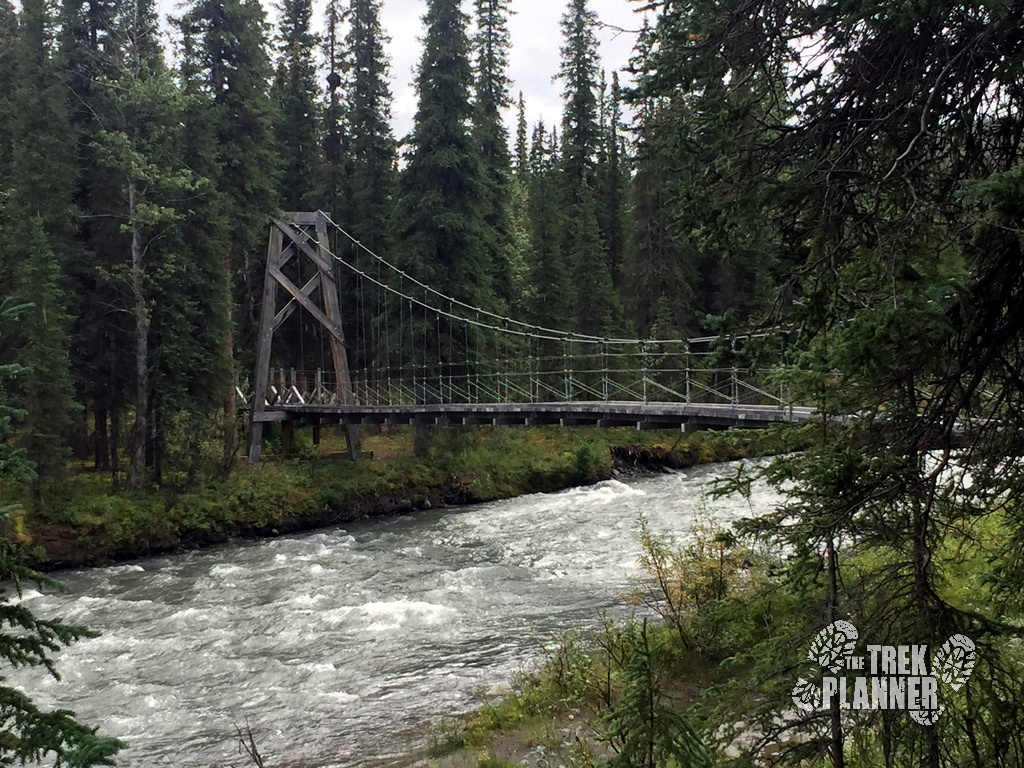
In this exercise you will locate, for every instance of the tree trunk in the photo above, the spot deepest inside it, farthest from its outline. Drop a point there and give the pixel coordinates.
(835, 715)
(115, 438)
(230, 404)
(102, 444)
(138, 467)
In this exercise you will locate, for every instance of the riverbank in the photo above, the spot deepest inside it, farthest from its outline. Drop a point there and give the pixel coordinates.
(702, 671)
(316, 488)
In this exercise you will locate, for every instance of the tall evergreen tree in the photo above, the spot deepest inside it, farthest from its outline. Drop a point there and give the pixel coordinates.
(142, 145)
(371, 157)
(48, 396)
(491, 44)
(298, 147)
(101, 348)
(43, 170)
(298, 119)
(519, 219)
(8, 78)
(205, 233)
(439, 214)
(612, 181)
(552, 302)
(225, 59)
(522, 153)
(660, 269)
(583, 247)
(8, 62)
(725, 106)
(372, 150)
(335, 151)
(579, 72)
(37, 222)
(598, 309)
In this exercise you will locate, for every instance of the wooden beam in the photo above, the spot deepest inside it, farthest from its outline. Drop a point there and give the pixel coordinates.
(287, 254)
(266, 417)
(309, 306)
(303, 218)
(266, 335)
(301, 240)
(339, 355)
(286, 311)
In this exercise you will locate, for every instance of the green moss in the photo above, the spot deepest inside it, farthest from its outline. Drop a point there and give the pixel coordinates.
(317, 487)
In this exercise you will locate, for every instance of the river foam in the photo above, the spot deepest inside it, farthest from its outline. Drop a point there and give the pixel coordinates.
(339, 647)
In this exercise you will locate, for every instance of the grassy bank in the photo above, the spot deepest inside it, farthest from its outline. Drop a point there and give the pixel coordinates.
(315, 487)
(703, 673)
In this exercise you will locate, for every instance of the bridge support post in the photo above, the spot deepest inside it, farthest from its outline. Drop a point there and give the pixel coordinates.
(299, 235)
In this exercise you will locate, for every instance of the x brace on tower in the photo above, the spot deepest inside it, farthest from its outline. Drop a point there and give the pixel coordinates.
(299, 235)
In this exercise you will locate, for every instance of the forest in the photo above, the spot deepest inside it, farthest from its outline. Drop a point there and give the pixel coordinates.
(849, 170)
(137, 194)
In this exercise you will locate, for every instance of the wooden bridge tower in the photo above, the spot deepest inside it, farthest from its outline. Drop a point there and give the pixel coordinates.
(301, 235)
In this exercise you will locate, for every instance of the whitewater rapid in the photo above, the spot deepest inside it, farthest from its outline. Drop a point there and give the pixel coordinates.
(341, 647)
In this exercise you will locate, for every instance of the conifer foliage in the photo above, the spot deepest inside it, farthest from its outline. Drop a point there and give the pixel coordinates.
(295, 92)
(30, 734)
(597, 307)
(439, 216)
(851, 171)
(491, 46)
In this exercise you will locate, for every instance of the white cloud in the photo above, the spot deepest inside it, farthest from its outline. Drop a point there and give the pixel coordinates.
(533, 62)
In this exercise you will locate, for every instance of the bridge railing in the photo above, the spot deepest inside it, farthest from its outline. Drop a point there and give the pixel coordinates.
(432, 384)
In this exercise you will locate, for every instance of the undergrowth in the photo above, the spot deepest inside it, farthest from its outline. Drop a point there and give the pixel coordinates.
(710, 643)
(314, 486)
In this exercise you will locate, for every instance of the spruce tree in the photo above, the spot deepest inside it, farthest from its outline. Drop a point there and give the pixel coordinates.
(298, 119)
(579, 72)
(552, 301)
(522, 153)
(612, 181)
(8, 78)
(520, 257)
(8, 62)
(334, 173)
(439, 219)
(297, 134)
(43, 169)
(598, 309)
(101, 334)
(225, 59)
(370, 160)
(491, 45)
(205, 237)
(583, 247)
(660, 268)
(48, 396)
(372, 148)
(37, 222)
(142, 145)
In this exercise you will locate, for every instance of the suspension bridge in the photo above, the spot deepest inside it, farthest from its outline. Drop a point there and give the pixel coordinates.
(418, 355)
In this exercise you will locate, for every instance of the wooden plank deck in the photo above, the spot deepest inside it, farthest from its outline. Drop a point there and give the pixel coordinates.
(689, 416)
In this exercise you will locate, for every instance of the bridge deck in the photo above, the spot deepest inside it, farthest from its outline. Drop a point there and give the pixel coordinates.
(690, 416)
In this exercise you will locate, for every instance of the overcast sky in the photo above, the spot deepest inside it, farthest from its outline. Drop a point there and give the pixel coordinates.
(536, 40)
(534, 60)
(533, 63)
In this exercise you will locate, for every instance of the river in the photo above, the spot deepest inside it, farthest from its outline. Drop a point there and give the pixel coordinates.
(340, 647)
